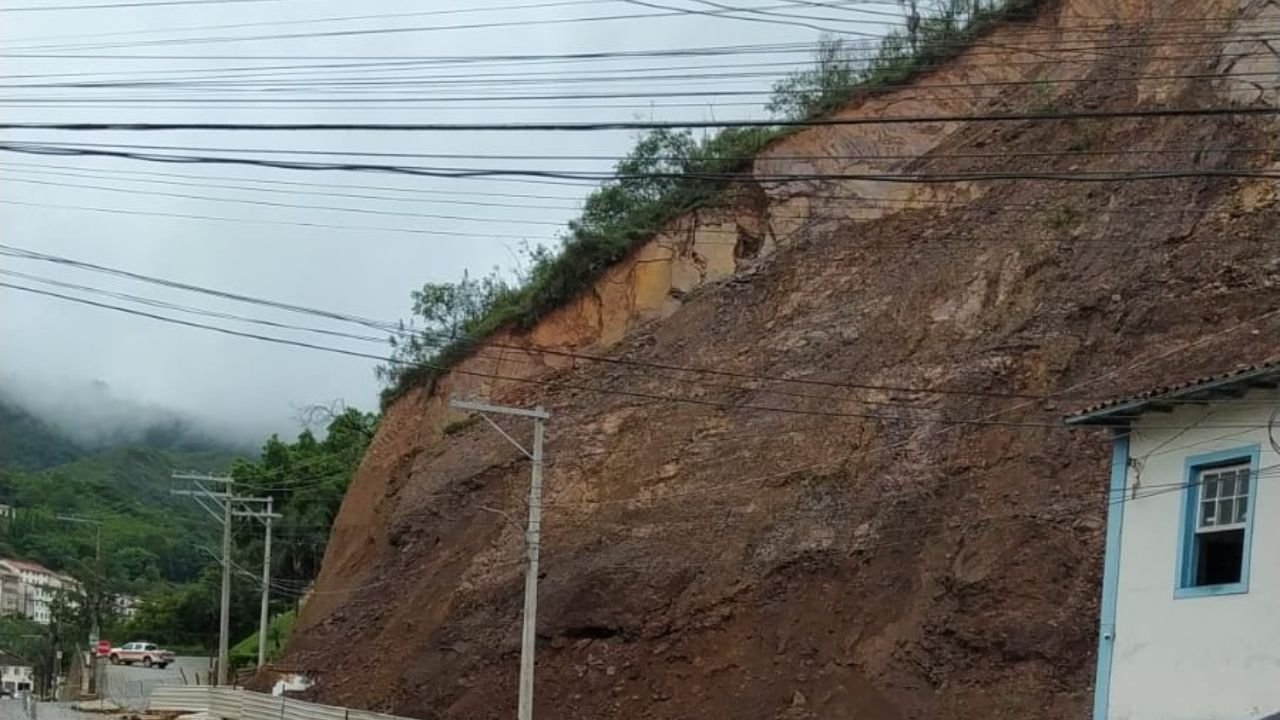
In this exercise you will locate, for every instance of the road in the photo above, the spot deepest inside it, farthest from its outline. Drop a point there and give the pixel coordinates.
(131, 685)
(127, 686)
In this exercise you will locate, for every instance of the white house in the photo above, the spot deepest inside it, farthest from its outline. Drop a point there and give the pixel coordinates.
(37, 587)
(1190, 626)
(127, 605)
(16, 675)
(12, 593)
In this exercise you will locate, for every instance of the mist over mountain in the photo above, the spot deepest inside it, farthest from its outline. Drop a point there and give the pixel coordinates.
(47, 424)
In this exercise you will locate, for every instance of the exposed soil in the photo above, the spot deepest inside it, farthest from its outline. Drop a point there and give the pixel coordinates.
(703, 561)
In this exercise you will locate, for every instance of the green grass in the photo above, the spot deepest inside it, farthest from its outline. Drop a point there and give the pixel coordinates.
(246, 651)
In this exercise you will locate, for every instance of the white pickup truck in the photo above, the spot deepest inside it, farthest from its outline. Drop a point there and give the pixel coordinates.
(149, 654)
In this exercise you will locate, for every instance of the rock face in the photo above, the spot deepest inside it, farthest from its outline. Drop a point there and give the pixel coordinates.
(877, 551)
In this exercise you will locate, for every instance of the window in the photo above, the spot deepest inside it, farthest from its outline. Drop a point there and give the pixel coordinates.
(1220, 522)
(1217, 524)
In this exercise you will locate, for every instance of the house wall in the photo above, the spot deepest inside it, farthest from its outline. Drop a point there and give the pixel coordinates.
(1194, 658)
(16, 677)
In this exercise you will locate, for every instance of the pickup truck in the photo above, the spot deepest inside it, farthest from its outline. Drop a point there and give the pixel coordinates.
(149, 654)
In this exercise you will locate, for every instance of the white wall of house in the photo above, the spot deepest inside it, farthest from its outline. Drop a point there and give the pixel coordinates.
(1207, 657)
(16, 677)
(37, 587)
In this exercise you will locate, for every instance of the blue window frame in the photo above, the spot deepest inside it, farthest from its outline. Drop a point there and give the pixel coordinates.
(1215, 535)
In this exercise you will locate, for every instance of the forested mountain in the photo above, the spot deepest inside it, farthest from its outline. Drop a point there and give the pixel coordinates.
(155, 544)
(28, 443)
(147, 533)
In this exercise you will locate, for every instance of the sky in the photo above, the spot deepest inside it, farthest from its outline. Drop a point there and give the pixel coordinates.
(356, 255)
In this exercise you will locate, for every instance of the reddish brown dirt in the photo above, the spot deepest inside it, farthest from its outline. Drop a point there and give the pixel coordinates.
(710, 562)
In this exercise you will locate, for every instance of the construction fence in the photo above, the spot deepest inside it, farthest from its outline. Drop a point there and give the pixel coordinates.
(229, 703)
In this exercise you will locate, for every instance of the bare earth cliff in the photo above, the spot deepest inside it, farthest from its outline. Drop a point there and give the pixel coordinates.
(703, 561)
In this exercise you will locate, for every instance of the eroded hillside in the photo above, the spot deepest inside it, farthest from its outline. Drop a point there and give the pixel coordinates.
(877, 551)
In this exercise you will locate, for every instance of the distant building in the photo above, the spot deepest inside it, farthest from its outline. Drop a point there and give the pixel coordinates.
(12, 593)
(36, 588)
(6, 511)
(127, 606)
(1190, 586)
(16, 674)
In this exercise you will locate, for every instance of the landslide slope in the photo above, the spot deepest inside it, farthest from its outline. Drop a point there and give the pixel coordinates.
(723, 561)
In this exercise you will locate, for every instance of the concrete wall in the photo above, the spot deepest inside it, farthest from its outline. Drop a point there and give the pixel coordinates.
(1198, 658)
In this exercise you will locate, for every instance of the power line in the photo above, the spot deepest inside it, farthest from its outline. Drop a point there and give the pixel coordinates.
(374, 16)
(295, 183)
(152, 3)
(533, 175)
(366, 32)
(261, 221)
(855, 202)
(771, 157)
(268, 203)
(718, 12)
(649, 125)
(440, 339)
(557, 385)
(613, 76)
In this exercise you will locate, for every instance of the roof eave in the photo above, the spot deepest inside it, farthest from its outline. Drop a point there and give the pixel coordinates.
(1229, 387)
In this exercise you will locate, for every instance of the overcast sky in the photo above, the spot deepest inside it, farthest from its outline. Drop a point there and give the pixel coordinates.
(367, 268)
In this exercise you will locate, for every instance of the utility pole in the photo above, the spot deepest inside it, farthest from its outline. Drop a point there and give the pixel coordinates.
(266, 517)
(228, 500)
(532, 537)
(222, 498)
(97, 564)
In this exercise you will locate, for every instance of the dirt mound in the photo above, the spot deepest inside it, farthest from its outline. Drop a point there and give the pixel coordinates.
(872, 558)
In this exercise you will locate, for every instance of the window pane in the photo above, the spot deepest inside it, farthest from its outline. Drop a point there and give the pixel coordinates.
(1242, 509)
(1226, 485)
(1206, 513)
(1210, 481)
(1224, 513)
(1242, 482)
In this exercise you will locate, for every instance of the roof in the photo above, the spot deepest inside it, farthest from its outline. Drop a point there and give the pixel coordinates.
(1227, 385)
(27, 566)
(8, 659)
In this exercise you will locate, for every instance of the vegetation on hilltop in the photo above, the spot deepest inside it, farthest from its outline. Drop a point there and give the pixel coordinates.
(666, 174)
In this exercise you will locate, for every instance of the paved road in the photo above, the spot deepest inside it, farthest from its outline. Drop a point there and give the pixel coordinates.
(131, 685)
(127, 686)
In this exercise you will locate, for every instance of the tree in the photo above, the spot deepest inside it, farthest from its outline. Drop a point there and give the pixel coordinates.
(444, 313)
(810, 92)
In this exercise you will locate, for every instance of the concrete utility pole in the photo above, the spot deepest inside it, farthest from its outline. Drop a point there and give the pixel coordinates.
(266, 517)
(532, 537)
(227, 500)
(224, 499)
(97, 565)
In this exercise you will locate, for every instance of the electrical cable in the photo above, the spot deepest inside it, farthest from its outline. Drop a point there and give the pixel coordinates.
(648, 125)
(382, 31)
(859, 200)
(483, 343)
(260, 221)
(550, 383)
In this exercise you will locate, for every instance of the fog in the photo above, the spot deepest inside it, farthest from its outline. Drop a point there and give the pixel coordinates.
(96, 368)
(93, 417)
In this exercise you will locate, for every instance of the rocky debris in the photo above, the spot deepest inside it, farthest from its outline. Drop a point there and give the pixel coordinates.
(878, 561)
